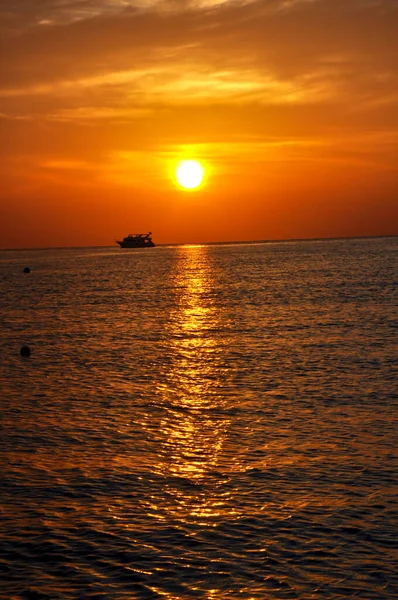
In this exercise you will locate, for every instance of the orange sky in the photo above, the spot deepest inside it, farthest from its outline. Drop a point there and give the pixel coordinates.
(292, 105)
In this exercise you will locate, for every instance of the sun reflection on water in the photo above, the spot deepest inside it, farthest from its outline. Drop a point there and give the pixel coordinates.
(193, 432)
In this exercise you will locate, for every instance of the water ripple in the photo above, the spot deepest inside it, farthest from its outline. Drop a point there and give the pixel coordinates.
(204, 422)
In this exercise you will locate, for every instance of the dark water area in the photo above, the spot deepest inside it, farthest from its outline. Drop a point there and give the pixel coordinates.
(212, 422)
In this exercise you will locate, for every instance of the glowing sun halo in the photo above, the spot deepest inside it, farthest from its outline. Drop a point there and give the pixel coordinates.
(189, 174)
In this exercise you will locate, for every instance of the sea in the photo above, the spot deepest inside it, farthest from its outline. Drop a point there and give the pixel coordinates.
(200, 421)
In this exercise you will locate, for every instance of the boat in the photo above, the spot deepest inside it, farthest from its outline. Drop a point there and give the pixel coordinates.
(136, 240)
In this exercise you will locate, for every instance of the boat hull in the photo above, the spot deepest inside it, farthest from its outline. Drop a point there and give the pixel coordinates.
(132, 245)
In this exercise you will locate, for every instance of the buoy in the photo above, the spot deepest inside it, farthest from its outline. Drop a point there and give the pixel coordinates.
(26, 270)
(25, 351)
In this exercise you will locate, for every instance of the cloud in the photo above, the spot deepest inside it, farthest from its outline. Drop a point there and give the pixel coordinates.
(156, 70)
(180, 84)
(24, 14)
(320, 47)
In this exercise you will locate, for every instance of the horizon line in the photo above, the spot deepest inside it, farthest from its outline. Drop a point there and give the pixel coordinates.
(231, 242)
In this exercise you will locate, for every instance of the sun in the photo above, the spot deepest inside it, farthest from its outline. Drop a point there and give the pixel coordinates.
(189, 174)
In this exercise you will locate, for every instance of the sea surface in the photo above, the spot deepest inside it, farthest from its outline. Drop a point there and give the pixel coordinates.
(212, 421)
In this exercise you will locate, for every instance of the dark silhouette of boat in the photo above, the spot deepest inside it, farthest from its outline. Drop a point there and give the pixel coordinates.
(137, 240)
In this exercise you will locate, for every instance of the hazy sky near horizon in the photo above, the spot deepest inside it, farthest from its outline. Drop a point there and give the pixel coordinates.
(291, 105)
